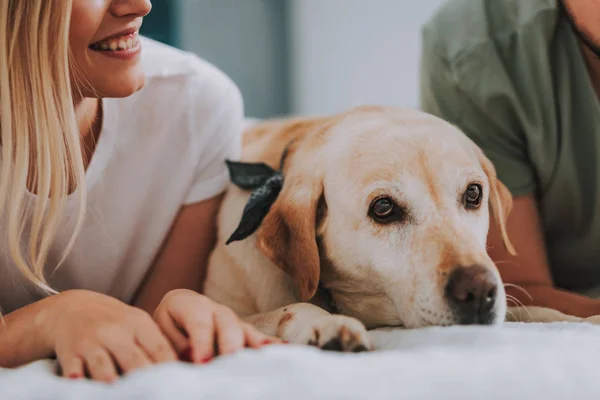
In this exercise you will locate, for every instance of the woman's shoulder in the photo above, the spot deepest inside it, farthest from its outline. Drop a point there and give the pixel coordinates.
(185, 100)
(183, 78)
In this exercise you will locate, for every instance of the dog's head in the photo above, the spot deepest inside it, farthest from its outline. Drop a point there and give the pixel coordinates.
(389, 210)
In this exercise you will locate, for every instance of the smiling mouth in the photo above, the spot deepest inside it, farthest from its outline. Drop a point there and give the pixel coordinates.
(119, 43)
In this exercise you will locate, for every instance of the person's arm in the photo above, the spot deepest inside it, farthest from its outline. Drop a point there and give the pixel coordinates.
(214, 107)
(183, 260)
(529, 268)
(87, 332)
(21, 338)
(210, 329)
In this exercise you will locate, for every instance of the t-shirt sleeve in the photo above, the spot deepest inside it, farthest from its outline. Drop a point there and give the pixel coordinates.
(221, 134)
(480, 110)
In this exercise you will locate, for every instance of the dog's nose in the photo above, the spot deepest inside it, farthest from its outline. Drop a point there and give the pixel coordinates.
(471, 293)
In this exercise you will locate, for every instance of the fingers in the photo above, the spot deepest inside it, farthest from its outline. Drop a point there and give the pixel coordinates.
(167, 325)
(156, 345)
(117, 354)
(70, 365)
(100, 365)
(128, 355)
(209, 328)
(200, 330)
(256, 339)
(229, 332)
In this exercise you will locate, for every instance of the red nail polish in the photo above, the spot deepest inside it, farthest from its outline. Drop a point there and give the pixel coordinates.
(286, 342)
(186, 355)
(266, 342)
(74, 376)
(206, 360)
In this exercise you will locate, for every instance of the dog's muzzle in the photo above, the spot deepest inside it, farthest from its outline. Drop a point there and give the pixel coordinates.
(471, 294)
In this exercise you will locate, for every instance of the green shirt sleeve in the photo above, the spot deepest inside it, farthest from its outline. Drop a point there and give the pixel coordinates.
(482, 112)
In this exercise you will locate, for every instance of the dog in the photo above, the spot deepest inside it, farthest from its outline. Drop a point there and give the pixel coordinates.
(374, 217)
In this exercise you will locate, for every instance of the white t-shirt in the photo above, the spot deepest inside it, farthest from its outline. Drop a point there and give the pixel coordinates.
(160, 149)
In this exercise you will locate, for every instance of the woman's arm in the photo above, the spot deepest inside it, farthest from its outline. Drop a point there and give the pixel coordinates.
(88, 332)
(183, 260)
(529, 268)
(210, 329)
(22, 339)
(214, 108)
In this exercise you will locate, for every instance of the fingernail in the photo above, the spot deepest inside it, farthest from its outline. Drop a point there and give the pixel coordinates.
(74, 376)
(285, 342)
(186, 355)
(206, 360)
(266, 342)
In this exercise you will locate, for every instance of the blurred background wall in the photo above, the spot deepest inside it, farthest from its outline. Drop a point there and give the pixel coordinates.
(303, 57)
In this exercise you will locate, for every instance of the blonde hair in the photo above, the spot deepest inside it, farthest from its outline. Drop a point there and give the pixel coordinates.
(41, 148)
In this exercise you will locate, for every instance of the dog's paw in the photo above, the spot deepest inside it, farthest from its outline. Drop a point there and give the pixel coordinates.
(592, 320)
(339, 333)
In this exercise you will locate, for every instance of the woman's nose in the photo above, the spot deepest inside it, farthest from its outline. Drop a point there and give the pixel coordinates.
(138, 8)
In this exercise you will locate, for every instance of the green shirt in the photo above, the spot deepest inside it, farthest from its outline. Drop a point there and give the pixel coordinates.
(511, 75)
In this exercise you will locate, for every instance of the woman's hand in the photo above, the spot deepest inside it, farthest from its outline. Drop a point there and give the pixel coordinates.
(103, 336)
(199, 329)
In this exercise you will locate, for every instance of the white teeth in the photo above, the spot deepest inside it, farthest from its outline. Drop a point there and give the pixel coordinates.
(119, 44)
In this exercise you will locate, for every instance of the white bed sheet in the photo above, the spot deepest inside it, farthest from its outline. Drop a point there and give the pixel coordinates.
(516, 361)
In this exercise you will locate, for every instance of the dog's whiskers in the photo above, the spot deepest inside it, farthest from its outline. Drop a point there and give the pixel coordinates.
(519, 288)
(511, 314)
(514, 300)
(518, 304)
(507, 262)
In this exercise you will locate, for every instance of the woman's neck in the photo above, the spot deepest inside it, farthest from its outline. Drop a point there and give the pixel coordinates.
(88, 112)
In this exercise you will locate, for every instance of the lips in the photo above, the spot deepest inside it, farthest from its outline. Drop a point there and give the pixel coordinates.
(120, 42)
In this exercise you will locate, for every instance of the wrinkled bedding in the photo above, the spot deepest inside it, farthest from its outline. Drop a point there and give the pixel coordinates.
(516, 361)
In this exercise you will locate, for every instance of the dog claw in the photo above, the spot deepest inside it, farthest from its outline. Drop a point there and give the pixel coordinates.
(340, 333)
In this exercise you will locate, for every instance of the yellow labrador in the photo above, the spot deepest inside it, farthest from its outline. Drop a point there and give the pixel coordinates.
(381, 221)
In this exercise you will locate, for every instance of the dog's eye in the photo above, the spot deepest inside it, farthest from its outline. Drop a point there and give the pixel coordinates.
(384, 210)
(472, 196)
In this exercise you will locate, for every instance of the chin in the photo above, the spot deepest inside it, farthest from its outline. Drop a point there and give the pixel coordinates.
(127, 85)
(127, 88)
(125, 91)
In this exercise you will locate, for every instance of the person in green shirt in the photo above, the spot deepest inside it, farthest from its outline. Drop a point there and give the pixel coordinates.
(521, 78)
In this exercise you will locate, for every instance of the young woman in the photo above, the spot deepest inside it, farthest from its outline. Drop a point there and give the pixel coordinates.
(112, 166)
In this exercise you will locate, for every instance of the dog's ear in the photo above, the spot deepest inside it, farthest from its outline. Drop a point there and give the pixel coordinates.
(500, 198)
(287, 235)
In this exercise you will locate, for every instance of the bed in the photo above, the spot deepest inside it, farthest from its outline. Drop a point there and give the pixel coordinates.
(515, 361)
